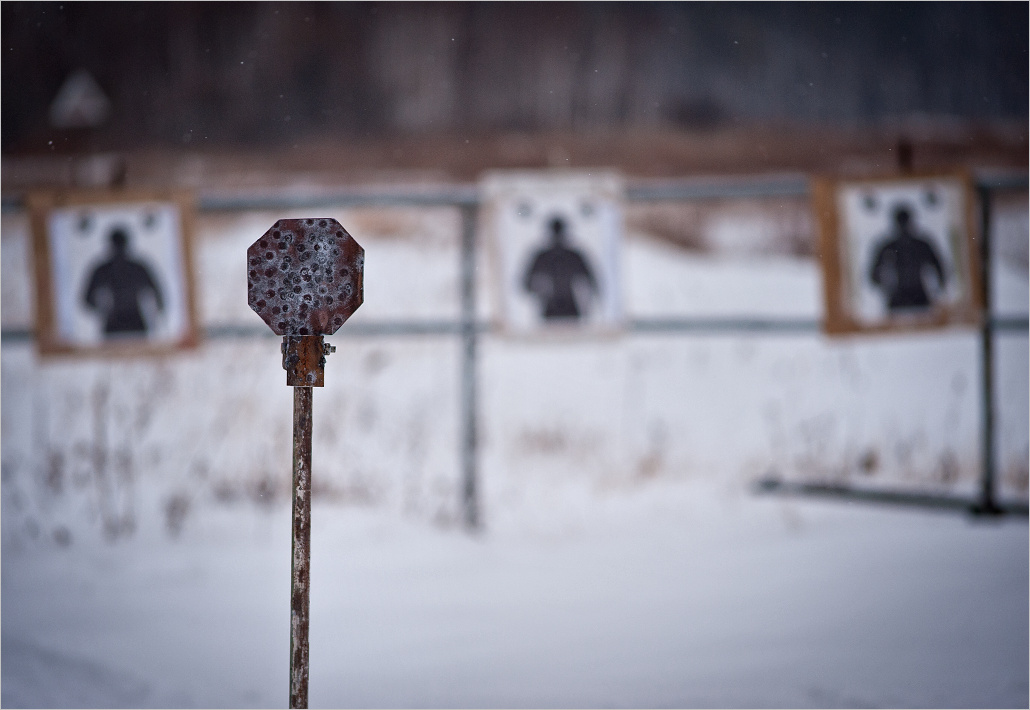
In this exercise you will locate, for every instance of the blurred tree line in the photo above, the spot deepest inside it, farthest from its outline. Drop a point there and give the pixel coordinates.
(223, 74)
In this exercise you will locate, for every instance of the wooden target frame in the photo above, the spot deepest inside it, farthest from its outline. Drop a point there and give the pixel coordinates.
(856, 217)
(73, 236)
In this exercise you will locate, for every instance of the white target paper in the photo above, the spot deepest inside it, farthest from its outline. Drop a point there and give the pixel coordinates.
(556, 241)
(933, 251)
(111, 289)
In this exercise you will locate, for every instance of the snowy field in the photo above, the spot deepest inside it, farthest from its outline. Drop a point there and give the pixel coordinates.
(680, 595)
(624, 562)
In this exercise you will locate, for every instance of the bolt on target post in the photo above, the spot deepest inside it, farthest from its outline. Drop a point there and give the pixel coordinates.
(304, 280)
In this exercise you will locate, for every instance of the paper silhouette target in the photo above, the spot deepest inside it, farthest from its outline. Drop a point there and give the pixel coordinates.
(560, 277)
(898, 253)
(305, 276)
(112, 272)
(555, 241)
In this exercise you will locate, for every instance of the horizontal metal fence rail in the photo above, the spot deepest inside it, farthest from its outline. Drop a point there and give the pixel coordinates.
(700, 326)
(891, 497)
(802, 326)
(445, 196)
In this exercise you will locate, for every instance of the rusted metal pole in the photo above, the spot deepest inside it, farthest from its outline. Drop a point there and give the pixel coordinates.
(305, 279)
(301, 577)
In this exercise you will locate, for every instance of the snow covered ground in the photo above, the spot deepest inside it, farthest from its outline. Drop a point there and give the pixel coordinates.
(145, 527)
(664, 594)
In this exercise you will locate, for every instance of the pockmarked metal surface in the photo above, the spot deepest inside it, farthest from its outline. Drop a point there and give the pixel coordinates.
(305, 276)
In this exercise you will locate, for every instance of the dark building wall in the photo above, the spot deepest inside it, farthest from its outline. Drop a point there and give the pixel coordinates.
(216, 74)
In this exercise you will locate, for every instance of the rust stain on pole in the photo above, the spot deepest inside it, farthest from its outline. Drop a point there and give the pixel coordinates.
(301, 577)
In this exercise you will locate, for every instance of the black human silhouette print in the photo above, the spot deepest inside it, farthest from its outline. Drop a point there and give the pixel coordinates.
(554, 274)
(117, 287)
(903, 260)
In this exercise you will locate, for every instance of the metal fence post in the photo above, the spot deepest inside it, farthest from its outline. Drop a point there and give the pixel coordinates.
(469, 441)
(986, 504)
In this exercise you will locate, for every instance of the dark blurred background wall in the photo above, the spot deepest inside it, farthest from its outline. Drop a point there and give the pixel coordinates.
(259, 74)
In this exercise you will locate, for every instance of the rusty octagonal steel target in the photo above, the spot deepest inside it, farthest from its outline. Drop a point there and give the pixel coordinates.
(305, 276)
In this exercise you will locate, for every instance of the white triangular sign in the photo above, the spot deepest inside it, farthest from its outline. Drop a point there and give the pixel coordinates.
(80, 103)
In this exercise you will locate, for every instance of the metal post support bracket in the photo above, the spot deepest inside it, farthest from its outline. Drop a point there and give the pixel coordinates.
(304, 360)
